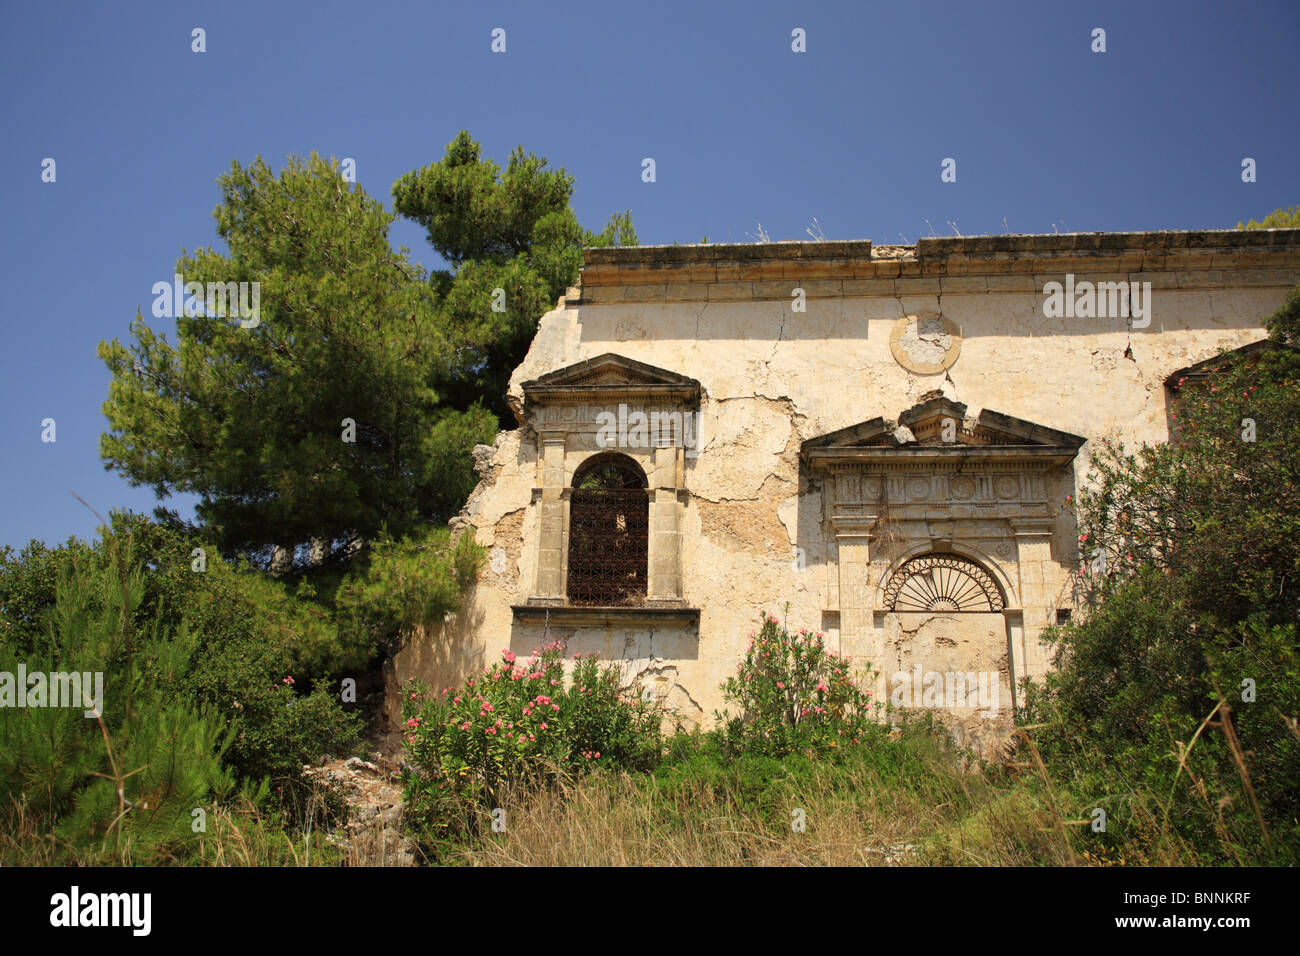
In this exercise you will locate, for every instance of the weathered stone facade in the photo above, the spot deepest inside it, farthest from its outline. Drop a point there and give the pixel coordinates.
(810, 417)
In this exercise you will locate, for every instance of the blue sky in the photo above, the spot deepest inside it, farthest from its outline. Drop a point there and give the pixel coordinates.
(1045, 133)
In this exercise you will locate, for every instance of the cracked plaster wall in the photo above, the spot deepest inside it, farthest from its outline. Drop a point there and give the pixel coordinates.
(772, 378)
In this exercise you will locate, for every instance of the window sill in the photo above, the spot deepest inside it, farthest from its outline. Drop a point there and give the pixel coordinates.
(621, 616)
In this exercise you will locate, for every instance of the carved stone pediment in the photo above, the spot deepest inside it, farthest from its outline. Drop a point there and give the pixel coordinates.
(937, 432)
(935, 462)
(610, 379)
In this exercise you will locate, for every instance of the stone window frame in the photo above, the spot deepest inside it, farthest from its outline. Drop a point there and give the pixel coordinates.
(562, 409)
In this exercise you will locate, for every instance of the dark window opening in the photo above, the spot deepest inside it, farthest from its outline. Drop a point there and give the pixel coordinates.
(609, 523)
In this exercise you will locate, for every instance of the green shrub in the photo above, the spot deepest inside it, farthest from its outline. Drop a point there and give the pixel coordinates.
(248, 632)
(403, 584)
(119, 787)
(793, 694)
(1174, 699)
(519, 724)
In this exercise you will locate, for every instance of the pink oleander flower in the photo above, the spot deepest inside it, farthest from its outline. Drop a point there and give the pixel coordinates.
(543, 725)
(821, 686)
(555, 707)
(781, 684)
(287, 680)
(508, 655)
(413, 722)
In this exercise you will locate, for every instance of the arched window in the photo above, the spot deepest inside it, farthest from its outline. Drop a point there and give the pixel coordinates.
(609, 522)
(942, 582)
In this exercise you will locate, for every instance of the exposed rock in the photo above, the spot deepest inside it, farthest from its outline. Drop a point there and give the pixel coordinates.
(372, 790)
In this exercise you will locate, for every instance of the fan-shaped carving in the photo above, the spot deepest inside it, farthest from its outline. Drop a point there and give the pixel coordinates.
(942, 582)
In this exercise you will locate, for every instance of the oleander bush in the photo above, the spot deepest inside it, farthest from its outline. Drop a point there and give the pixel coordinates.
(791, 693)
(519, 724)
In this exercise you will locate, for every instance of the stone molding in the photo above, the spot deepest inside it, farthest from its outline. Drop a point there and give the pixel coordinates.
(560, 615)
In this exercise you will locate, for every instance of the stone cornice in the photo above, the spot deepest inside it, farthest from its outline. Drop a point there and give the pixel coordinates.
(941, 457)
(612, 394)
(952, 265)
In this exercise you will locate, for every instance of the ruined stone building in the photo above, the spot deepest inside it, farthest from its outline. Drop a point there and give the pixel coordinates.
(881, 437)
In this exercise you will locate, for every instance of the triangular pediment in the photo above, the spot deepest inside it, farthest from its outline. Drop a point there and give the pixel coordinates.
(611, 376)
(939, 427)
(873, 433)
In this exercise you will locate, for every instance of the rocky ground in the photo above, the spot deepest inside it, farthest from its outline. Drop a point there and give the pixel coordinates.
(372, 790)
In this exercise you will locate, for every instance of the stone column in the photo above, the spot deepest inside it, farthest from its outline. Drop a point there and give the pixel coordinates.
(664, 559)
(853, 537)
(551, 556)
(1033, 556)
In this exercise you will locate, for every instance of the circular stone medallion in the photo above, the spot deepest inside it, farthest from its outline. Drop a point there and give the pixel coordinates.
(925, 345)
(1006, 487)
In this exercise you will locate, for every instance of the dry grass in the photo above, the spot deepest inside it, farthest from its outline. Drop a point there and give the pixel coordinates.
(855, 815)
(236, 835)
